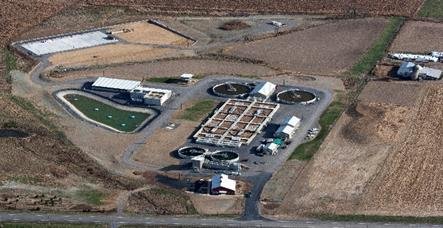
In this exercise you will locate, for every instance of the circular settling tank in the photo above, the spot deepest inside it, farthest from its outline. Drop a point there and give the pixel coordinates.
(225, 156)
(231, 89)
(190, 152)
(295, 96)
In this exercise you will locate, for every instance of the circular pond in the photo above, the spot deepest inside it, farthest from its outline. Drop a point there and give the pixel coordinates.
(190, 152)
(231, 89)
(225, 156)
(294, 96)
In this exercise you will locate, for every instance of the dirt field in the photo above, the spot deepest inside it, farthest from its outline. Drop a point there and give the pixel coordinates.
(343, 41)
(231, 205)
(419, 36)
(146, 33)
(112, 54)
(385, 7)
(171, 68)
(375, 160)
(159, 149)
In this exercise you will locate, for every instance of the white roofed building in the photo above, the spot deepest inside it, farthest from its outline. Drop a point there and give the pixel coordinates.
(285, 132)
(150, 96)
(115, 84)
(292, 121)
(263, 91)
(271, 148)
(221, 184)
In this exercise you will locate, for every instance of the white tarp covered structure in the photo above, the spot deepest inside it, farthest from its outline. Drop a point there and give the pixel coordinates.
(67, 43)
(263, 90)
(115, 84)
(416, 57)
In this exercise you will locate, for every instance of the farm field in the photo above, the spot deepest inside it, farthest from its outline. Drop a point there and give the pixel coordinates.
(393, 7)
(112, 54)
(146, 33)
(419, 36)
(116, 118)
(170, 68)
(375, 160)
(344, 41)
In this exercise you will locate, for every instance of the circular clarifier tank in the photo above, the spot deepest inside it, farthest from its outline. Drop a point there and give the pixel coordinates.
(296, 96)
(189, 152)
(232, 89)
(225, 156)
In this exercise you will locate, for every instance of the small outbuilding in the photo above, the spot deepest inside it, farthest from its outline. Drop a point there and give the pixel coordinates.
(263, 91)
(292, 121)
(186, 77)
(271, 148)
(221, 184)
(285, 132)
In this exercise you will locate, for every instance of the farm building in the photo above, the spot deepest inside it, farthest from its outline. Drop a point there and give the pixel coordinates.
(221, 184)
(263, 91)
(413, 71)
(114, 84)
(414, 57)
(406, 70)
(150, 96)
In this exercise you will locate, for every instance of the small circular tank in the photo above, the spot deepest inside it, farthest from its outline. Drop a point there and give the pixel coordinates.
(232, 89)
(296, 96)
(189, 152)
(225, 156)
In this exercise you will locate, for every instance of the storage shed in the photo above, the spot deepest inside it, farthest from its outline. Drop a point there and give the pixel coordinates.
(115, 84)
(221, 184)
(292, 121)
(285, 132)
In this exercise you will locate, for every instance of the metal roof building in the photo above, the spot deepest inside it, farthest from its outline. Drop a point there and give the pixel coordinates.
(221, 184)
(115, 84)
(430, 73)
(263, 90)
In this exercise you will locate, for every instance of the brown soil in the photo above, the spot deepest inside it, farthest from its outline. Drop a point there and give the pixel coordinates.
(172, 68)
(219, 205)
(113, 53)
(419, 36)
(310, 51)
(375, 160)
(234, 25)
(343, 7)
(145, 33)
(160, 201)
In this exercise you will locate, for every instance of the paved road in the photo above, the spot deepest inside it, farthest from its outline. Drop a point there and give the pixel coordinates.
(117, 220)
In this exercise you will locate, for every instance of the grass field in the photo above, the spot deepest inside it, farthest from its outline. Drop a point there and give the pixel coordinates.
(306, 150)
(90, 195)
(432, 8)
(116, 118)
(377, 51)
(198, 110)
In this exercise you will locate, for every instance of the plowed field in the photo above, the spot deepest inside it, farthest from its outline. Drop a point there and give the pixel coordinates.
(384, 7)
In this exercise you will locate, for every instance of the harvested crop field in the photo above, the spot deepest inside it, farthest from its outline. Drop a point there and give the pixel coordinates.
(387, 7)
(383, 157)
(419, 36)
(145, 33)
(112, 54)
(310, 51)
(171, 68)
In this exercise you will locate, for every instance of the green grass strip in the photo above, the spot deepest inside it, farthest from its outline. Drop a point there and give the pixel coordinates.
(90, 195)
(10, 63)
(306, 150)
(198, 110)
(378, 49)
(432, 8)
(380, 218)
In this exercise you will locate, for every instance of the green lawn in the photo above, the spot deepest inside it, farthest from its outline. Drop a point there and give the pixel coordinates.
(90, 195)
(432, 8)
(306, 150)
(378, 49)
(49, 225)
(116, 118)
(199, 110)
